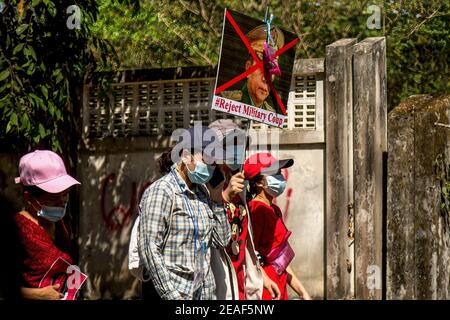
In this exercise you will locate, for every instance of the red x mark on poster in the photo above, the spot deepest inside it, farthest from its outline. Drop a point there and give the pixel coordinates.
(258, 65)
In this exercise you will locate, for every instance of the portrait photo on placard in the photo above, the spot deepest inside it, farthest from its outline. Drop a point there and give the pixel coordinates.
(255, 70)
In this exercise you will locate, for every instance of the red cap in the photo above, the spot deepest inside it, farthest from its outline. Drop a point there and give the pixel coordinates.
(264, 163)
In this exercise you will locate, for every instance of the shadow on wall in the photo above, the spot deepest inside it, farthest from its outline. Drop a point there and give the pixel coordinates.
(112, 185)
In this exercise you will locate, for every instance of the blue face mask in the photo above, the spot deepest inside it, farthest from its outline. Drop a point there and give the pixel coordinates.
(275, 185)
(52, 214)
(201, 174)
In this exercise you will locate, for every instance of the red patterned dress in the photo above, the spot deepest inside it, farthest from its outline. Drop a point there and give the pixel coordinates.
(40, 253)
(269, 233)
(237, 217)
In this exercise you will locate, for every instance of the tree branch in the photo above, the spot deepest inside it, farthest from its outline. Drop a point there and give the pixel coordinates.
(186, 40)
(423, 22)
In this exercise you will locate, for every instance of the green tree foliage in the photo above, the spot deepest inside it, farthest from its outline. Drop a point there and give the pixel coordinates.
(161, 33)
(43, 63)
(179, 33)
(44, 57)
(418, 38)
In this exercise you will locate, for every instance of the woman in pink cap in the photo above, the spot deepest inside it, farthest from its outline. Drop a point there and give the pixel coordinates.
(43, 233)
(270, 233)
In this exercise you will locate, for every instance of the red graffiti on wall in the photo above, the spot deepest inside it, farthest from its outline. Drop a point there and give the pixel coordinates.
(288, 191)
(120, 215)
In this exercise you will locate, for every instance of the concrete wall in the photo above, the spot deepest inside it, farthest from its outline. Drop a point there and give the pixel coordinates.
(418, 235)
(111, 186)
(303, 207)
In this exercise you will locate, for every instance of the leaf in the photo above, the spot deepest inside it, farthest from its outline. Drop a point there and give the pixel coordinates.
(25, 120)
(56, 146)
(35, 97)
(18, 48)
(6, 86)
(20, 29)
(58, 114)
(57, 73)
(15, 86)
(51, 108)
(27, 64)
(18, 78)
(44, 91)
(51, 7)
(35, 2)
(4, 74)
(13, 119)
(29, 51)
(42, 104)
(39, 101)
(41, 130)
(30, 70)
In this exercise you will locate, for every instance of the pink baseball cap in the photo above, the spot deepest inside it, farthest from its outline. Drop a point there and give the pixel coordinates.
(45, 170)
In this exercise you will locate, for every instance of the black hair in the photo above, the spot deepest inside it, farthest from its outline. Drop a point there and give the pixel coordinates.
(34, 191)
(253, 188)
(165, 161)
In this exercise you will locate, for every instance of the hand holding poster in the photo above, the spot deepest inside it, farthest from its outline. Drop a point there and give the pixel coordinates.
(68, 276)
(254, 79)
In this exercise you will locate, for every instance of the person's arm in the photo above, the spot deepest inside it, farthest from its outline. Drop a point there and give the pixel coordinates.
(259, 215)
(296, 285)
(270, 286)
(221, 233)
(222, 230)
(45, 293)
(156, 206)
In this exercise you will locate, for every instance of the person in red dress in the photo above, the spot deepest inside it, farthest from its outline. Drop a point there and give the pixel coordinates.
(233, 180)
(238, 218)
(43, 234)
(270, 233)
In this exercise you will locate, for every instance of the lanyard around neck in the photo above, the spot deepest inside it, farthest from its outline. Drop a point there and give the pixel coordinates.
(191, 211)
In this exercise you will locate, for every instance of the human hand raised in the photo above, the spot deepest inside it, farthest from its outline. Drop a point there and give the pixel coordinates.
(235, 186)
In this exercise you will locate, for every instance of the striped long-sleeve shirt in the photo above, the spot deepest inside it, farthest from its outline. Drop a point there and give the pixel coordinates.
(166, 235)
